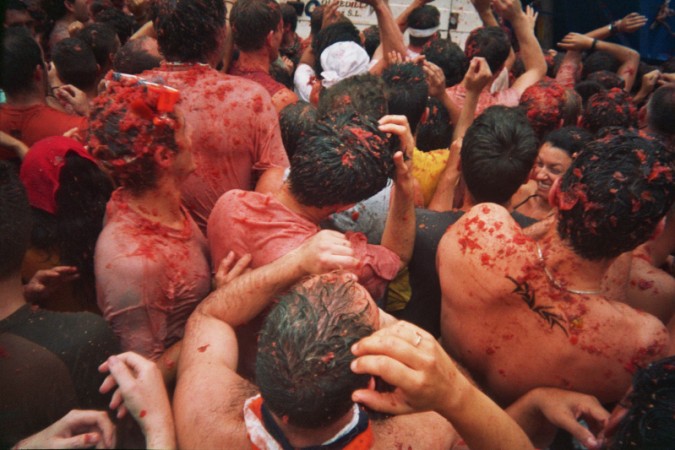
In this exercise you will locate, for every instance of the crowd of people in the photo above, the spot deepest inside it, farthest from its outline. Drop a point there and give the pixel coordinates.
(216, 233)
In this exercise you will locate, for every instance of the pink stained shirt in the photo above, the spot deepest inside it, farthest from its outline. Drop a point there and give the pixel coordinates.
(149, 277)
(255, 223)
(233, 128)
(506, 97)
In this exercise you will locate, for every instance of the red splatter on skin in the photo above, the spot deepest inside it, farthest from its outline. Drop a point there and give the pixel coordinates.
(203, 348)
(486, 260)
(355, 216)
(142, 413)
(574, 339)
(471, 244)
(257, 105)
(643, 285)
(328, 357)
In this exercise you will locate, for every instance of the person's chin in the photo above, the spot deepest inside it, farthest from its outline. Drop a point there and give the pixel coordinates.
(543, 191)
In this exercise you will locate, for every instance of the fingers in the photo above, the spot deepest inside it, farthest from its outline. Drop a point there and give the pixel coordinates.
(581, 433)
(385, 402)
(86, 440)
(403, 341)
(108, 384)
(229, 268)
(98, 420)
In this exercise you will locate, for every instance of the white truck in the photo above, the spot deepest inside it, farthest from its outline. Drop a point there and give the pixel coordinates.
(458, 17)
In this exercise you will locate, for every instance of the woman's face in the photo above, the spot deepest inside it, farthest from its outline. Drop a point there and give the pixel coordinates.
(551, 164)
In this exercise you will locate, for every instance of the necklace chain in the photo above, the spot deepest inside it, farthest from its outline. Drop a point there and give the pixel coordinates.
(557, 283)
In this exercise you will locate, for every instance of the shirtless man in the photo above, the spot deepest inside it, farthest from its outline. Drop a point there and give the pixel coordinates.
(304, 354)
(521, 314)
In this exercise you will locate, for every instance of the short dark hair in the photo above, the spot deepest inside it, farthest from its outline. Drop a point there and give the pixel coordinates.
(661, 110)
(599, 60)
(491, 43)
(614, 194)
(289, 15)
(124, 135)
(295, 120)
(55, 9)
(607, 79)
(436, 131)
(133, 58)
(587, 89)
(103, 41)
(344, 159)
(76, 63)
(407, 91)
(371, 39)
(189, 30)
(304, 352)
(342, 31)
(316, 20)
(449, 57)
(650, 420)
(609, 108)
(569, 139)
(423, 18)
(123, 24)
(498, 152)
(252, 20)
(543, 103)
(15, 220)
(363, 93)
(21, 55)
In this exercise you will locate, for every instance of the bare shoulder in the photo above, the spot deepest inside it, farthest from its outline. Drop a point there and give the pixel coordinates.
(423, 430)
(283, 98)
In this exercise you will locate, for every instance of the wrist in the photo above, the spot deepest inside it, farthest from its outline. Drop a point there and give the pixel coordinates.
(593, 46)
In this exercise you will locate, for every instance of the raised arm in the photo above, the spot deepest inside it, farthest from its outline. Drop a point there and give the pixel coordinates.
(629, 24)
(426, 379)
(399, 230)
(402, 19)
(530, 51)
(484, 10)
(391, 37)
(628, 58)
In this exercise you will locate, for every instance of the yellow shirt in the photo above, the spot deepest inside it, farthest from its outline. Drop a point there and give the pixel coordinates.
(427, 170)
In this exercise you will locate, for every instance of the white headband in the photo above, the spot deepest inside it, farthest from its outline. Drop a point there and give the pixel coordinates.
(422, 33)
(342, 60)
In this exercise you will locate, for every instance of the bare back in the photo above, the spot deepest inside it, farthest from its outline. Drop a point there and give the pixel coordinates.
(514, 330)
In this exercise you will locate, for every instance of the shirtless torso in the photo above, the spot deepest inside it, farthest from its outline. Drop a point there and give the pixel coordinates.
(504, 318)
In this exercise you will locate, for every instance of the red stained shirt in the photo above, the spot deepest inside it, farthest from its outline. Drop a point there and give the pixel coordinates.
(149, 277)
(234, 130)
(255, 223)
(506, 97)
(264, 79)
(33, 123)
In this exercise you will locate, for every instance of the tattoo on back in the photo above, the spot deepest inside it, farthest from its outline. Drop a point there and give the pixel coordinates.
(528, 296)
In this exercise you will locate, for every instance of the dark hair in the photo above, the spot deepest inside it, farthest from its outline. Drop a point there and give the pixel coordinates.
(553, 63)
(436, 131)
(304, 352)
(124, 135)
(668, 65)
(599, 60)
(571, 107)
(371, 37)
(407, 91)
(614, 194)
(20, 56)
(587, 89)
(342, 31)
(289, 15)
(280, 74)
(423, 18)
(55, 9)
(650, 421)
(252, 20)
(15, 220)
(189, 30)
(363, 93)
(449, 57)
(343, 159)
(103, 41)
(491, 43)
(569, 139)
(661, 110)
(609, 108)
(16, 5)
(295, 120)
(498, 152)
(543, 104)
(607, 79)
(121, 23)
(133, 58)
(316, 20)
(75, 63)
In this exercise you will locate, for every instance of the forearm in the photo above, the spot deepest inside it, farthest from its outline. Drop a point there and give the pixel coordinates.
(467, 115)
(399, 230)
(482, 423)
(444, 195)
(402, 19)
(146, 30)
(628, 58)
(530, 51)
(529, 418)
(486, 16)
(451, 107)
(391, 37)
(167, 364)
(569, 67)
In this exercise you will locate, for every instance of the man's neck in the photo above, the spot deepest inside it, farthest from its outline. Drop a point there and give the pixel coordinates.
(569, 269)
(25, 99)
(303, 437)
(311, 213)
(257, 60)
(11, 295)
(161, 204)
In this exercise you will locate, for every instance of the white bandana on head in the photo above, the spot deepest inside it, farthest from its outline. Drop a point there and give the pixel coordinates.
(343, 60)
